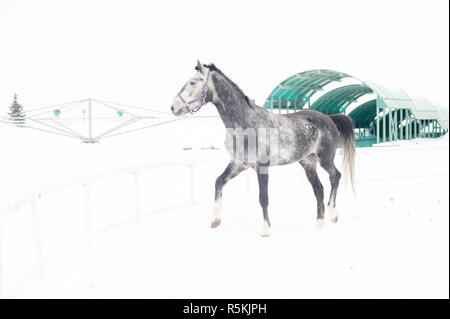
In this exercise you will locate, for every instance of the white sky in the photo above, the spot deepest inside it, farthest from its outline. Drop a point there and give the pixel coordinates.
(142, 52)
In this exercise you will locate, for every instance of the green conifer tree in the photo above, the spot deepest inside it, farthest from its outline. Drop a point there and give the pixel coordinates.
(16, 114)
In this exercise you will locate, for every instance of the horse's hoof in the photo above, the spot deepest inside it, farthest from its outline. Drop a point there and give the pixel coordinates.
(266, 230)
(320, 223)
(215, 223)
(334, 214)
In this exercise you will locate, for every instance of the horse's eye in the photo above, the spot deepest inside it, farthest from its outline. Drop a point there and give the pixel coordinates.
(192, 83)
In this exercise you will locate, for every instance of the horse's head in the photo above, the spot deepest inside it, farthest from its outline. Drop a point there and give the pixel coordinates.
(194, 93)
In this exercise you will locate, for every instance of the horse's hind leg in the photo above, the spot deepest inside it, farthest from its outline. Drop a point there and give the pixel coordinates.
(263, 181)
(233, 169)
(310, 164)
(335, 176)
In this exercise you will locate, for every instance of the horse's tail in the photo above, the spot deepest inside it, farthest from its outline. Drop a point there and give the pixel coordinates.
(345, 127)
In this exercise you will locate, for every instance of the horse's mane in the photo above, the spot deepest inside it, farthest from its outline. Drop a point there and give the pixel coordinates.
(212, 67)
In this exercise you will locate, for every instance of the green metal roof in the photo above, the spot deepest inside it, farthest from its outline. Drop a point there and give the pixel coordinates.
(337, 100)
(443, 120)
(396, 99)
(364, 114)
(425, 110)
(296, 90)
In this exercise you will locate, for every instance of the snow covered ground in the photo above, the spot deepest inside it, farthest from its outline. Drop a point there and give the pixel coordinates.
(392, 239)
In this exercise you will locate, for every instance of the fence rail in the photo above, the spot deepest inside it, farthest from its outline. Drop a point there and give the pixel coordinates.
(31, 199)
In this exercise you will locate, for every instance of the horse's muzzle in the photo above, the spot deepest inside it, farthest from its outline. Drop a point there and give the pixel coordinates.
(176, 111)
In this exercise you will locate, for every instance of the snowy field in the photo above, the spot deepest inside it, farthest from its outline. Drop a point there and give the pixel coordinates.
(392, 239)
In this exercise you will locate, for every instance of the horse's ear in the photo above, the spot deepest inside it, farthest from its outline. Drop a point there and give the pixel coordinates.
(200, 67)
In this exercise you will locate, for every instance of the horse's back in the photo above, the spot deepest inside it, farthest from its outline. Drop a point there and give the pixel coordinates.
(318, 119)
(327, 131)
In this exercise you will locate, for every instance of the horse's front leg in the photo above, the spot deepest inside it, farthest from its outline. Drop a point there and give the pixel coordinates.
(263, 181)
(233, 169)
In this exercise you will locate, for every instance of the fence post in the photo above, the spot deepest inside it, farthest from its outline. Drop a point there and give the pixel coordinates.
(137, 198)
(87, 216)
(90, 119)
(37, 240)
(378, 123)
(2, 287)
(191, 174)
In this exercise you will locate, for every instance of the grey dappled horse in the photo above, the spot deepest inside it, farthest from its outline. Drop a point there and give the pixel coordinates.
(258, 139)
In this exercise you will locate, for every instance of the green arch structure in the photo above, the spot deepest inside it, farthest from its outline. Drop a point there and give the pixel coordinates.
(392, 115)
(336, 101)
(364, 115)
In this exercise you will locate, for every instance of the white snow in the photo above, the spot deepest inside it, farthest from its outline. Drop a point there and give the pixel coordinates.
(391, 240)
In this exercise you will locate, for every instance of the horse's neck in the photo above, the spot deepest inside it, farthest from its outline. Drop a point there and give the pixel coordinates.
(230, 118)
(232, 106)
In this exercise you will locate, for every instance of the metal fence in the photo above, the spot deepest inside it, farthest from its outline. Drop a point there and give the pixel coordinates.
(31, 199)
